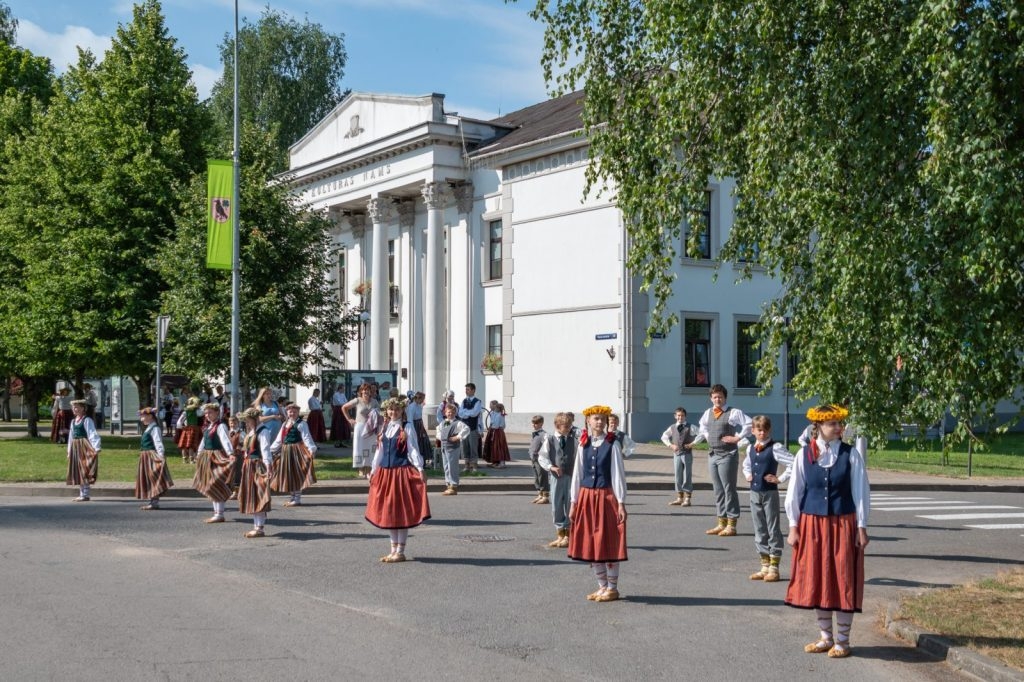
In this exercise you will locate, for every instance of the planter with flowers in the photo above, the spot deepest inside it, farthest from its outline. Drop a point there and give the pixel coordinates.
(491, 364)
(362, 288)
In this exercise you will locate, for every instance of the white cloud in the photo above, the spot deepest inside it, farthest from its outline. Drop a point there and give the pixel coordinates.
(61, 48)
(204, 77)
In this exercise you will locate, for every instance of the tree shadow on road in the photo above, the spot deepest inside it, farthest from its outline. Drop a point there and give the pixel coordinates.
(900, 654)
(491, 563)
(699, 601)
(900, 582)
(952, 557)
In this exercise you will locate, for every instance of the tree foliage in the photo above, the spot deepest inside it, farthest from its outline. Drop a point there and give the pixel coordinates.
(8, 25)
(290, 75)
(877, 149)
(291, 317)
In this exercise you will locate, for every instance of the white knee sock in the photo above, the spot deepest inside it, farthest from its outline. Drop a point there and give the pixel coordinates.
(824, 623)
(601, 572)
(259, 520)
(844, 621)
(613, 575)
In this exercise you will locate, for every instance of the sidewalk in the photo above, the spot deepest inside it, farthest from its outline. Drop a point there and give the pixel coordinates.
(650, 468)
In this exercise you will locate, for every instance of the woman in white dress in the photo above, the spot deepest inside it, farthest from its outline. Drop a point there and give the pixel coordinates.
(363, 414)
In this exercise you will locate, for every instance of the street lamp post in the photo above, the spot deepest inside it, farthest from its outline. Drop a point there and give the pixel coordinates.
(162, 322)
(361, 328)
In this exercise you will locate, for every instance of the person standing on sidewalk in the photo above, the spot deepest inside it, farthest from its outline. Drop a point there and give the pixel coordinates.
(625, 442)
(451, 433)
(723, 427)
(828, 502)
(469, 414)
(558, 457)
(152, 478)
(83, 451)
(679, 437)
(540, 476)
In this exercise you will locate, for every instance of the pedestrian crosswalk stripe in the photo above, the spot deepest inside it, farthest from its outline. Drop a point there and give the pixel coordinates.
(888, 499)
(890, 503)
(996, 526)
(941, 507)
(964, 517)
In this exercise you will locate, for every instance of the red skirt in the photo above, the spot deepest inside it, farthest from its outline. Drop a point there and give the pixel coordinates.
(213, 475)
(496, 447)
(83, 463)
(153, 479)
(398, 498)
(315, 422)
(254, 490)
(341, 430)
(293, 470)
(828, 567)
(596, 534)
(189, 437)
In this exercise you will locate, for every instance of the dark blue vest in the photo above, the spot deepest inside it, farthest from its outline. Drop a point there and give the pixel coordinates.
(395, 450)
(827, 492)
(761, 464)
(597, 465)
(469, 404)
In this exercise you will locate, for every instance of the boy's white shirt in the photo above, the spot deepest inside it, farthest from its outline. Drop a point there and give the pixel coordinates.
(666, 437)
(781, 454)
(737, 418)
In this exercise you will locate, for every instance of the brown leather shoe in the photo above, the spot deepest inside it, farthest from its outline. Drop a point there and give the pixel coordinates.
(819, 647)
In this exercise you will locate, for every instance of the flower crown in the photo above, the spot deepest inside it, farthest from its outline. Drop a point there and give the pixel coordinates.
(827, 413)
(398, 402)
(597, 409)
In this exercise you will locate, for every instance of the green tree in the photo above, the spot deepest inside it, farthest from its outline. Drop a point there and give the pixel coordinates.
(8, 25)
(290, 75)
(877, 149)
(290, 314)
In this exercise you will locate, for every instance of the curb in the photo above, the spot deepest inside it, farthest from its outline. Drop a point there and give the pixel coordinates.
(957, 657)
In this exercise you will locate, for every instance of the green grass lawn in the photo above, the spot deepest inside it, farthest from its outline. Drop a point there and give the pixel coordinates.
(1003, 457)
(38, 460)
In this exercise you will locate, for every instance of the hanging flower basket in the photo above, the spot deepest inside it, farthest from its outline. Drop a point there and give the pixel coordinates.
(491, 364)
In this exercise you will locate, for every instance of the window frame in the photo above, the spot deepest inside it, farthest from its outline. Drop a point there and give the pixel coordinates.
(492, 262)
(745, 345)
(706, 254)
(689, 350)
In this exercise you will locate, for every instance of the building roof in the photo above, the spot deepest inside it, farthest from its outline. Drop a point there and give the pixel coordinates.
(537, 122)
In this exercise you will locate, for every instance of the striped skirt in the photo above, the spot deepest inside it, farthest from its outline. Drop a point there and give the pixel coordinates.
(254, 490)
(213, 475)
(189, 437)
(293, 470)
(398, 498)
(83, 463)
(153, 478)
(596, 534)
(828, 567)
(317, 430)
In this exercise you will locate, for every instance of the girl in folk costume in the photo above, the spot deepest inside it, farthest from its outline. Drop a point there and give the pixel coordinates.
(236, 433)
(414, 413)
(62, 416)
(597, 515)
(153, 478)
(294, 451)
(189, 431)
(827, 503)
(495, 444)
(254, 490)
(214, 462)
(398, 486)
(315, 419)
(341, 432)
(364, 417)
(83, 451)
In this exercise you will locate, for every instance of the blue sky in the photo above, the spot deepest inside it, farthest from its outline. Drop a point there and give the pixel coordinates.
(483, 55)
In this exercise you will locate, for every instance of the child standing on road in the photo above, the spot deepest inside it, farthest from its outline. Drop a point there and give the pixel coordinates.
(625, 442)
(723, 427)
(254, 486)
(558, 457)
(189, 432)
(540, 476)
(294, 469)
(827, 504)
(679, 437)
(214, 462)
(398, 486)
(598, 512)
(761, 469)
(450, 433)
(83, 451)
(152, 479)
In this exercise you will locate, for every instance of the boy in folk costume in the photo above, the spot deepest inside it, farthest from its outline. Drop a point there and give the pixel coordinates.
(398, 486)
(557, 456)
(540, 476)
(827, 503)
(214, 463)
(625, 442)
(679, 437)
(470, 413)
(450, 433)
(189, 431)
(83, 451)
(294, 452)
(254, 486)
(723, 427)
(598, 512)
(153, 478)
(761, 469)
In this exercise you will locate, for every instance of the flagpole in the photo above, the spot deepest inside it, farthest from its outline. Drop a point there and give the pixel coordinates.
(236, 275)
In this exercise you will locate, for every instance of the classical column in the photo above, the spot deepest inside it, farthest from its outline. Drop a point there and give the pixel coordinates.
(379, 210)
(435, 342)
(412, 292)
(357, 223)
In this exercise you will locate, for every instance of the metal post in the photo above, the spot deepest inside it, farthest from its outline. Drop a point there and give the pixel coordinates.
(785, 389)
(236, 316)
(120, 403)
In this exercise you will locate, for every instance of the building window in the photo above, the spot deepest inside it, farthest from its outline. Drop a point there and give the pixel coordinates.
(703, 249)
(494, 249)
(697, 359)
(342, 277)
(748, 353)
(494, 339)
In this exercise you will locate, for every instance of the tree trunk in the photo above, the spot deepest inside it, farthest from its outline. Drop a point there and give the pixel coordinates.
(5, 400)
(33, 389)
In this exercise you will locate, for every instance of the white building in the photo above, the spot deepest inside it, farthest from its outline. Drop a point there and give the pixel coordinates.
(481, 236)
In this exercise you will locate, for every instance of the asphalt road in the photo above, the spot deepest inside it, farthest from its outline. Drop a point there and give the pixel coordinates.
(102, 591)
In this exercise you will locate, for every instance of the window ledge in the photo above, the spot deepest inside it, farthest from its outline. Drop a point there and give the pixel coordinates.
(491, 282)
(699, 262)
(748, 390)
